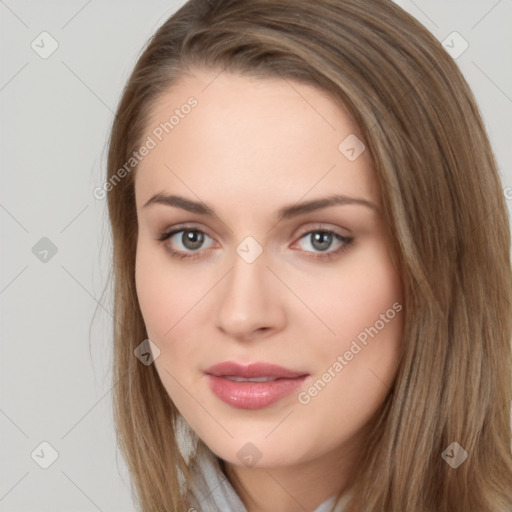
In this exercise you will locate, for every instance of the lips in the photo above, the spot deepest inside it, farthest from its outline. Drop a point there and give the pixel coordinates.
(256, 370)
(252, 386)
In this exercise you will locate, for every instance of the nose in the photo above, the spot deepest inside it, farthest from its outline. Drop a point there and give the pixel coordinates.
(250, 301)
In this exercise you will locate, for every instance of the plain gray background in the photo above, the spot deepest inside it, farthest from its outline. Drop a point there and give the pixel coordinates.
(55, 117)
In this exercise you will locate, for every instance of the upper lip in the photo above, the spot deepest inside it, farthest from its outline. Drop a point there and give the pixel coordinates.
(232, 369)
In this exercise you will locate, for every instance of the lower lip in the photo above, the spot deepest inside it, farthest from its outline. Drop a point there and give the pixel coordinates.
(252, 395)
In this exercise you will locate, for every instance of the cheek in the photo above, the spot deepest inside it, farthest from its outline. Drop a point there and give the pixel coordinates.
(350, 299)
(156, 305)
(369, 291)
(356, 369)
(171, 304)
(164, 294)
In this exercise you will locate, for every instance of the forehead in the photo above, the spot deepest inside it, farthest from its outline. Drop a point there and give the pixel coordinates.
(248, 138)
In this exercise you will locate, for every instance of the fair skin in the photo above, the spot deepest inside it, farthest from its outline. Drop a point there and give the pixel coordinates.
(249, 148)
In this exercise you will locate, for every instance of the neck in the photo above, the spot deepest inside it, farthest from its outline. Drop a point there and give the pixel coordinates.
(298, 488)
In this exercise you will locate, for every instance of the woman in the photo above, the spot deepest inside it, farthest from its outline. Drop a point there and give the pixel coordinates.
(312, 267)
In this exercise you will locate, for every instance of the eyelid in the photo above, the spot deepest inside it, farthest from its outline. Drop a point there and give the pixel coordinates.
(185, 227)
(323, 226)
(298, 234)
(344, 240)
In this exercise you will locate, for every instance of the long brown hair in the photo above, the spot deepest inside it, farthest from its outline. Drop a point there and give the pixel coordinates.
(447, 218)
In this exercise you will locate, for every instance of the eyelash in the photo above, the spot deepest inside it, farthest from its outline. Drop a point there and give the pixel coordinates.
(346, 243)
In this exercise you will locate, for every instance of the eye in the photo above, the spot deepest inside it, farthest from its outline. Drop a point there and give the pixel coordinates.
(190, 239)
(321, 240)
(188, 243)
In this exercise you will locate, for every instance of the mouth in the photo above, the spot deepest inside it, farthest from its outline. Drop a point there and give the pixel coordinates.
(252, 386)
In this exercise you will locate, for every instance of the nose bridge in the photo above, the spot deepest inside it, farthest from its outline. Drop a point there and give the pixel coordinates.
(249, 268)
(249, 298)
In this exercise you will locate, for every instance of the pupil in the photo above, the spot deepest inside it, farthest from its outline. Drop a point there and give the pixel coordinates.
(322, 241)
(192, 239)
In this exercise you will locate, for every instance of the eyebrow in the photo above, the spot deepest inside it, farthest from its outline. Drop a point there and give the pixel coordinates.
(284, 213)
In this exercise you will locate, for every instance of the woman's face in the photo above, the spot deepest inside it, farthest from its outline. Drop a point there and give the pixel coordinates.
(266, 271)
